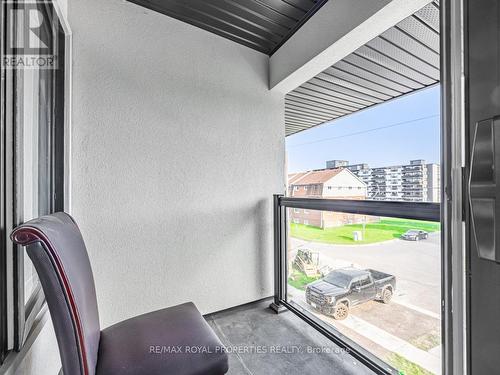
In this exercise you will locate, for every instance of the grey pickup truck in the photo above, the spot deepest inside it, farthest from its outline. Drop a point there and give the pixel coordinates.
(344, 288)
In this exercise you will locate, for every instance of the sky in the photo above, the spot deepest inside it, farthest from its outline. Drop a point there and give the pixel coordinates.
(387, 134)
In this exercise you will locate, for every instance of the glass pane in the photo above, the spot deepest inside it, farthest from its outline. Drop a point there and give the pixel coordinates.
(30, 160)
(34, 146)
(30, 279)
(376, 280)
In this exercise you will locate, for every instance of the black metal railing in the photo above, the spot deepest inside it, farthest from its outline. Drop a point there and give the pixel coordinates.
(396, 209)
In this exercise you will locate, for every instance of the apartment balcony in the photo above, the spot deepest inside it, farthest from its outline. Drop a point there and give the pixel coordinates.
(379, 182)
(160, 127)
(412, 175)
(412, 187)
(380, 174)
(413, 194)
(413, 168)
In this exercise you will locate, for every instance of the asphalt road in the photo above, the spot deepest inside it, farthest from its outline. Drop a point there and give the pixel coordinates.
(416, 265)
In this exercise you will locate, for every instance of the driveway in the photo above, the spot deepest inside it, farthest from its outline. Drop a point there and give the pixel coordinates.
(416, 265)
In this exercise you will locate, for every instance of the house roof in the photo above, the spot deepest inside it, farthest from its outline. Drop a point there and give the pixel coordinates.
(292, 177)
(316, 177)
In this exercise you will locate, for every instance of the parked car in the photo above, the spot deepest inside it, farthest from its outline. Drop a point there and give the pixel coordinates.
(342, 289)
(415, 235)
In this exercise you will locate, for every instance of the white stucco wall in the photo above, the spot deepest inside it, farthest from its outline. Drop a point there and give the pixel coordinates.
(177, 148)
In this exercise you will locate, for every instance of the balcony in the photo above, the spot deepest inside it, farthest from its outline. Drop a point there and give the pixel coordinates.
(413, 168)
(161, 129)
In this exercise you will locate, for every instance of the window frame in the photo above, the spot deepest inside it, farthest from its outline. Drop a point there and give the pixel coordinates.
(367, 279)
(18, 316)
(6, 196)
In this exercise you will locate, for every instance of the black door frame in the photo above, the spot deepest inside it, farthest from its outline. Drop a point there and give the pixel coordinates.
(482, 101)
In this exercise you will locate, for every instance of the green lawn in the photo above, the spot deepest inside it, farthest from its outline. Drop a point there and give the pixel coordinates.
(299, 280)
(406, 367)
(385, 229)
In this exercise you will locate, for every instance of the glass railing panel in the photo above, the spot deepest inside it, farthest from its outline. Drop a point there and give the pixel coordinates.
(375, 280)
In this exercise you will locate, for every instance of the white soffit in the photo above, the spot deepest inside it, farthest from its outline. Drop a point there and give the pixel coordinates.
(402, 59)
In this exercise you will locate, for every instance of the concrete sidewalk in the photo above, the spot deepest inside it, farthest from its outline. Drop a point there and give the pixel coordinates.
(430, 361)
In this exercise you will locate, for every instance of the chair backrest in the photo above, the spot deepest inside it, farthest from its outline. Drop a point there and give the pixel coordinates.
(56, 248)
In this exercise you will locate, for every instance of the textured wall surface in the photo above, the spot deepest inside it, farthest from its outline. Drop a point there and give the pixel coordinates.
(178, 146)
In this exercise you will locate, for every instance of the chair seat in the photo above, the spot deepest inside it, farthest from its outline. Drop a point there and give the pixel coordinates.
(176, 341)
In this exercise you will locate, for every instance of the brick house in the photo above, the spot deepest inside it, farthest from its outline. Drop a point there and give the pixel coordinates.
(338, 183)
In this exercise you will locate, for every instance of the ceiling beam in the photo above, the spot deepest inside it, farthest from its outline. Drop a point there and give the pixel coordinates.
(335, 31)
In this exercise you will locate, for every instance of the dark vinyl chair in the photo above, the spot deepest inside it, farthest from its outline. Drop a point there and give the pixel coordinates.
(149, 344)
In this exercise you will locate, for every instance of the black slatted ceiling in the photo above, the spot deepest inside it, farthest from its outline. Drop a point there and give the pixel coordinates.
(263, 25)
(401, 60)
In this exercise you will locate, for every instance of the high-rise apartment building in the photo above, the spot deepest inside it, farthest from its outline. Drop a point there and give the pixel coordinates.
(415, 182)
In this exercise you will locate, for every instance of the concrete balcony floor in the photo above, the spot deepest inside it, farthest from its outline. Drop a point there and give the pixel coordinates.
(260, 342)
